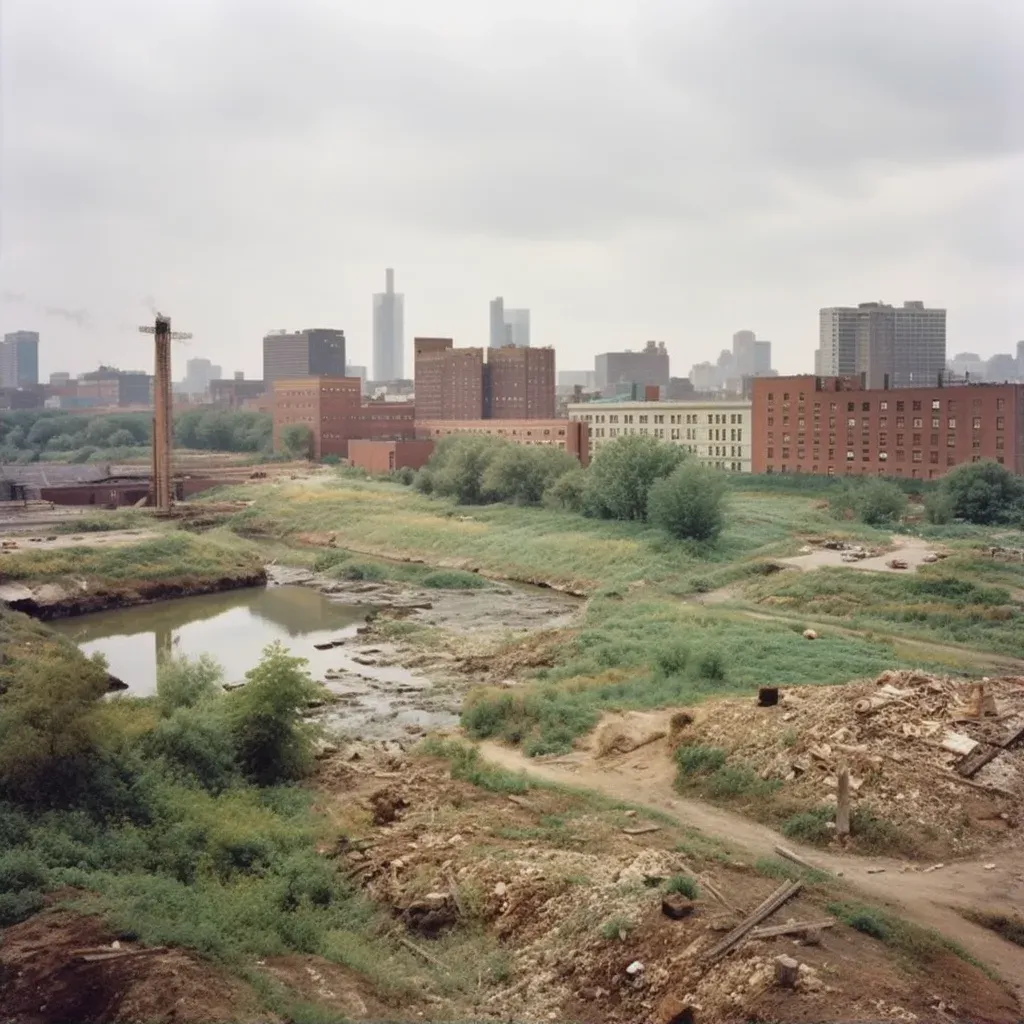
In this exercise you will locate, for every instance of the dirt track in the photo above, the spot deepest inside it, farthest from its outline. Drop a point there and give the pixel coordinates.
(645, 777)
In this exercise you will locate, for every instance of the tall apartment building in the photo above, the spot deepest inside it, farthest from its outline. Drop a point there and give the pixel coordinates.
(833, 426)
(449, 381)
(19, 359)
(508, 326)
(649, 366)
(903, 345)
(314, 352)
(519, 383)
(717, 432)
(388, 331)
(199, 373)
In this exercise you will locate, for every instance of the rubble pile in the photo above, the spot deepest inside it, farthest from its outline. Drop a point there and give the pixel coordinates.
(911, 741)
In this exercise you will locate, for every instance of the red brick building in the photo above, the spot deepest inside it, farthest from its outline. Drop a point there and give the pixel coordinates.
(572, 435)
(334, 410)
(386, 456)
(449, 381)
(832, 426)
(520, 383)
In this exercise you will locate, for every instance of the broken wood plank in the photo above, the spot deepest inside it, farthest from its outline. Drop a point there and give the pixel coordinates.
(983, 788)
(782, 851)
(1012, 739)
(958, 743)
(429, 957)
(977, 759)
(784, 892)
(843, 802)
(520, 802)
(102, 955)
(704, 881)
(640, 830)
(794, 928)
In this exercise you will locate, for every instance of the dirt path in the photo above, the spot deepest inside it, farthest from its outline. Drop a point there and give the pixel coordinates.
(912, 550)
(645, 777)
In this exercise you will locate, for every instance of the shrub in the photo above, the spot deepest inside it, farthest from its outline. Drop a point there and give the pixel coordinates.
(520, 474)
(698, 760)
(618, 926)
(182, 682)
(938, 508)
(567, 491)
(297, 441)
(689, 504)
(405, 476)
(672, 658)
(328, 560)
(361, 571)
(683, 884)
(454, 579)
(983, 492)
(274, 743)
(874, 502)
(739, 780)
(622, 473)
(811, 826)
(710, 664)
(457, 466)
(83, 454)
(192, 741)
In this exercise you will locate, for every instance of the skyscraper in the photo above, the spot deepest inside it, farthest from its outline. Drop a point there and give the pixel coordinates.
(388, 327)
(19, 360)
(508, 326)
(837, 342)
(919, 345)
(314, 352)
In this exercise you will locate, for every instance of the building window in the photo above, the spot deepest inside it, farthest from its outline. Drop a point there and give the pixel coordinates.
(883, 422)
(851, 423)
(919, 423)
(850, 456)
(1000, 423)
(865, 407)
(901, 421)
(999, 444)
(951, 440)
(933, 457)
(850, 406)
(882, 456)
(976, 423)
(883, 439)
(936, 404)
(933, 440)
(916, 456)
(952, 423)
(832, 454)
(916, 406)
(917, 439)
(901, 455)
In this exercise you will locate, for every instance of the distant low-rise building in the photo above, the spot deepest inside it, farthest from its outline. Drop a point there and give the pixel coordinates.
(234, 393)
(716, 432)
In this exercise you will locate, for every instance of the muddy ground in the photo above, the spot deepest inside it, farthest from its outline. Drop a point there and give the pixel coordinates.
(407, 669)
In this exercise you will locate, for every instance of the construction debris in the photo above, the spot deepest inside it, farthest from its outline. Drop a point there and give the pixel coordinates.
(784, 892)
(912, 742)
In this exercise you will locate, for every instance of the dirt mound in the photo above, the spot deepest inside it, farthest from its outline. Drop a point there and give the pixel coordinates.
(58, 967)
(910, 740)
(625, 733)
(536, 650)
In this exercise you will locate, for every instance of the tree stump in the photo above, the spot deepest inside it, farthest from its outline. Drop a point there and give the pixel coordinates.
(786, 971)
(843, 802)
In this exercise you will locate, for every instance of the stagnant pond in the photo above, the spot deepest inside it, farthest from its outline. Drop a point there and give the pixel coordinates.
(373, 700)
(233, 627)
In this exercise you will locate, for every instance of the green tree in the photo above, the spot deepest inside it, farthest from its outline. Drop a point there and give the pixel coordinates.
(983, 492)
(622, 473)
(121, 439)
(689, 503)
(872, 501)
(521, 473)
(273, 742)
(457, 466)
(297, 441)
(567, 491)
(184, 682)
(938, 507)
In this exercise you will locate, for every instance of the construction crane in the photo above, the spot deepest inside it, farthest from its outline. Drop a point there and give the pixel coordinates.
(162, 424)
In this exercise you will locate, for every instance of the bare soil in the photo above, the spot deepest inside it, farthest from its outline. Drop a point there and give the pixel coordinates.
(912, 550)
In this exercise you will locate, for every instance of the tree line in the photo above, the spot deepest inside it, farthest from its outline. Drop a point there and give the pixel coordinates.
(28, 435)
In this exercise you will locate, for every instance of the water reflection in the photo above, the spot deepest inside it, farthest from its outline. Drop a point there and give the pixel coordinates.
(233, 627)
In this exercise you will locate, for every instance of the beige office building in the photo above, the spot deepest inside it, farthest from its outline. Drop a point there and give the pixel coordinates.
(715, 432)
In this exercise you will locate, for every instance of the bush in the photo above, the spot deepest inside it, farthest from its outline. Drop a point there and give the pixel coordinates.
(83, 454)
(622, 473)
(329, 559)
(520, 474)
(457, 466)
(710, 664)
(983, 492)
(297, 441)
(683, 884)
(405, 476)
(192, 741)
(274, 744)
(672, 658)
(811, 826)
(353, 571)
(873, 501)
(454, 579)
(938, 508)
(739, 780)
(618, 926)
(698, 760)
(567, 491)
(689, 504)
(182, 682)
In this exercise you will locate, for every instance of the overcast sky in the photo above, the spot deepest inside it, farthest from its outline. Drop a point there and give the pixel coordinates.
(627, 169)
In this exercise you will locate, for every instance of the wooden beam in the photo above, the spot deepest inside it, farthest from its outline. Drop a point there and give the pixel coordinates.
(782, 851)
(843, 803)
(793, 928)
(784, 892)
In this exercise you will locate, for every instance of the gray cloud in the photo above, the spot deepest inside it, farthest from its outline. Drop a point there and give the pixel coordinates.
(627, 168)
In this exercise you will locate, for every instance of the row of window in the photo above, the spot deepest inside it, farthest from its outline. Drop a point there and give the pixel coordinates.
(883, 404)
(831, 470)
(712, 418)
(883, 422)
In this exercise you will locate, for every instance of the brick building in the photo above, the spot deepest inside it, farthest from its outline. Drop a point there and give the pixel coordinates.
(387, 456)
(449, 381)
(520, 383)
(833, 426)
(233, 394)
(567, 434)
(334, 410)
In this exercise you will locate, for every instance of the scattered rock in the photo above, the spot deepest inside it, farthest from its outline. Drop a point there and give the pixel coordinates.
(810, 634)
(634, 968)
(676, 906)
(500, 889)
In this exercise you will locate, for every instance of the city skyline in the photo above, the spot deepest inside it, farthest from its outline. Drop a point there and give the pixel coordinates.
(879, 170)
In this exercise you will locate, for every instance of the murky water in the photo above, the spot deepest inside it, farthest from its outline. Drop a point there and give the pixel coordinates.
(233, 627)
